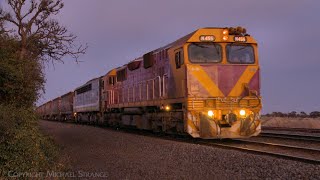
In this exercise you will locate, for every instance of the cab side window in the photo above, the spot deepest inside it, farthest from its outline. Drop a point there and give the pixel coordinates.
(179, 58)
(112, 80)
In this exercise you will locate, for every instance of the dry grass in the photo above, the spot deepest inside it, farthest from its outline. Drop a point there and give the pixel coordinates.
(311, 123)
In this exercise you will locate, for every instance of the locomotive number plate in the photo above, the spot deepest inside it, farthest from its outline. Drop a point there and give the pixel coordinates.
(240, 39)
(207, 38)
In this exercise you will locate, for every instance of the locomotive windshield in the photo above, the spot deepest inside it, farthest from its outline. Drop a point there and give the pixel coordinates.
(205, 53)
(240, 54)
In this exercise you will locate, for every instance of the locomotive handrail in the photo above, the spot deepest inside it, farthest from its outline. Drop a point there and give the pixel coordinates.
(163, 85)
(147, 90)
(153, 87)
(133, 95)
(158, 77)
(118, 97)
(128, 94)
(111, 98)
(110, 94)
(257, 97)
(122, 95)
(140, 89)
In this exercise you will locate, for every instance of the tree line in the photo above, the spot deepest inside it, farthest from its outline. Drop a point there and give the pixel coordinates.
(294, 114)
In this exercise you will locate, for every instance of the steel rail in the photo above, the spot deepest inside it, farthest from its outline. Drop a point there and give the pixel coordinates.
(292, 129)
(262, 152)
(277, 145)
(290, 136)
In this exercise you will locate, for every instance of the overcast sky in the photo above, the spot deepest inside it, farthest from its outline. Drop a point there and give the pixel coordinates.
(118, 31)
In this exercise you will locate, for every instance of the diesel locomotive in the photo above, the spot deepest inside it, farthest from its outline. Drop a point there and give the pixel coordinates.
(205, 84)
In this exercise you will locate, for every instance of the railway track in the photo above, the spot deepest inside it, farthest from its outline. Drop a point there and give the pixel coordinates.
(307, 155)
(300, 137)
(302, 154)
(307, 130)
(290, 152)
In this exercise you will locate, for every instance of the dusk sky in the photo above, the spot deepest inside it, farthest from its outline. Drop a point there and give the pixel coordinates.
(117, 31)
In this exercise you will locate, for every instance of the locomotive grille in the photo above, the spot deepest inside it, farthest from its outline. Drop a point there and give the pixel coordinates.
(196, 104)
(223, 103)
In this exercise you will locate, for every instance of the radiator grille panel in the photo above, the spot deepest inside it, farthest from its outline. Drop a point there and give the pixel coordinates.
(222, 103)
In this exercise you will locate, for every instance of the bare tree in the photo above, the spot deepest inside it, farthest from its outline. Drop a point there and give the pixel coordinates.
(39, 35)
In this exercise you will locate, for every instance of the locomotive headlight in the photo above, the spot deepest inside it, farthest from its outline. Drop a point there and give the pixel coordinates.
(225, 32)
(242, 112)
(210, 113)
(225, 38)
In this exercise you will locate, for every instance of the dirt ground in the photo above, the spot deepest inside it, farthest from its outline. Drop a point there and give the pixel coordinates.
(312, 123)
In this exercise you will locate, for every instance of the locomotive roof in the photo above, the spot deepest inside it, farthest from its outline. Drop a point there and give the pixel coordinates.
(179, 41)
(187, 38)
(67, 94)
(112, 72)
(88, 82)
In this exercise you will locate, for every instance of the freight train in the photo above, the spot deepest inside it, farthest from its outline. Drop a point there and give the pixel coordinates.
(205, 84)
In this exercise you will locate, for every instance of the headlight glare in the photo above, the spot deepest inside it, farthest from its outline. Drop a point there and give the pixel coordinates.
(225, 38)
(242, 112)
(225, 32)
(210, 113)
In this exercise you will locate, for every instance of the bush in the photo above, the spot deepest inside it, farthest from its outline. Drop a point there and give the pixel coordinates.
(314, 114)
(21, 81)
(23, 148)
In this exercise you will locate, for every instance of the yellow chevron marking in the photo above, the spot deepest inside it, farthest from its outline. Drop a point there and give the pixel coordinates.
(245, 78)
(205, 81)
(192, 125)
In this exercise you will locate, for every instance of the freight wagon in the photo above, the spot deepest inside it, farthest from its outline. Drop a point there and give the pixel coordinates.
(66, 108)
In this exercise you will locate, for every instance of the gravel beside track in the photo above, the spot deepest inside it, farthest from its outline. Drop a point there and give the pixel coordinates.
(123, 155)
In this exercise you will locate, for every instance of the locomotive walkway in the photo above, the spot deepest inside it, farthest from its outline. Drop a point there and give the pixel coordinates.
(100, 152)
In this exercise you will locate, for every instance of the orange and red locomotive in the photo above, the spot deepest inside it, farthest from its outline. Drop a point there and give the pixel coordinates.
(205, 84)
